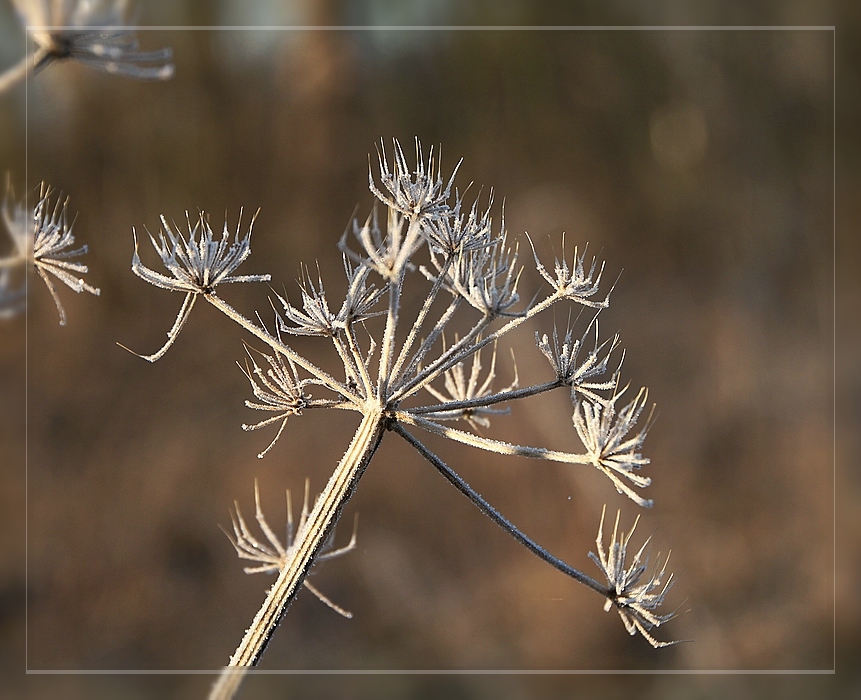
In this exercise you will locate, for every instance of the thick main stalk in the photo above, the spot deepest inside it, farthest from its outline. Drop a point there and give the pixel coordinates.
(307, 544)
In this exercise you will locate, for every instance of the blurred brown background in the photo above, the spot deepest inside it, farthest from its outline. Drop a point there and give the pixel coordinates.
(699, 162)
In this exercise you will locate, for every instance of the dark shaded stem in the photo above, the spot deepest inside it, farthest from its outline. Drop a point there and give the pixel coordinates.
(497, 517)
(482, 401)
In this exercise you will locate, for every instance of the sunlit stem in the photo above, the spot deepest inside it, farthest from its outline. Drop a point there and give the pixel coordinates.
(428, 342)
(350, 367)
(428, 374)
(421, 318)
(387, 349)
(360, 361)
(173, 333)
(497, 446)
(275, 343)
(310, 538)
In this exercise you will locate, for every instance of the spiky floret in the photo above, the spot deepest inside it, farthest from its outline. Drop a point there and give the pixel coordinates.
(415, 193)
(604, 430)
(635, 594)
(575, 282)
(581, 377)
(197, 263)
(48, 244)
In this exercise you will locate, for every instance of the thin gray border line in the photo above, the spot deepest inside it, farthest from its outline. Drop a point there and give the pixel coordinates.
(439, 27)
(26, 371)
(257, 671)
(252, 671)
(834, 324)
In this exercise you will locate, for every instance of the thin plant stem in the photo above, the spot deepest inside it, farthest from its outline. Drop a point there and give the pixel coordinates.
(503, 448)
(488, 400)
(420, 319)
(16, 73)
(326, 379)
(498, 518)
(360, 360)
(453, 355)
(388, 346)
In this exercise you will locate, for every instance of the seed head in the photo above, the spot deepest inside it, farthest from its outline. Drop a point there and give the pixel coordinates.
(420, 193)
(563, 359)
(636, 598)
(108, 50)
(49, 244)
(574, 282)
(197, 262)
(604, 432)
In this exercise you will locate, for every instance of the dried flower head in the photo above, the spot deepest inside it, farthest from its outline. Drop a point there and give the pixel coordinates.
(48, 244)
(485, 277)
(381, 251)
(418, 193)
(574, 282)
(461, 231)
(279, 390)
(604, 432)
(87, 31)
(197, 262)
(563, 358)
(315, 317)
(636, 598)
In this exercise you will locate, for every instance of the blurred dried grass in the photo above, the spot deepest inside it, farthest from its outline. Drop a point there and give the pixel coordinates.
(700, 163)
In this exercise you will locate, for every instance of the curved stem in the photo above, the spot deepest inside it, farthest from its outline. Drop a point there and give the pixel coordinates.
(503, 448)
(173, 333)
(497, 517)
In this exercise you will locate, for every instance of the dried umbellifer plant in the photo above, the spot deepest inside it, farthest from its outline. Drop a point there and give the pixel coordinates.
(401, 375)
